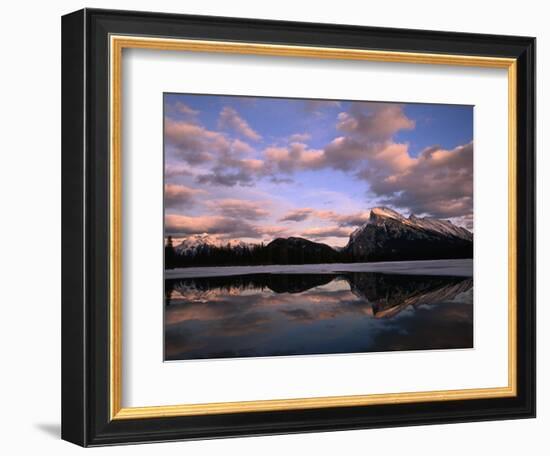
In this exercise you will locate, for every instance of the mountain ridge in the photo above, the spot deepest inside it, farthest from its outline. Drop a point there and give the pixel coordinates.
(386, 236)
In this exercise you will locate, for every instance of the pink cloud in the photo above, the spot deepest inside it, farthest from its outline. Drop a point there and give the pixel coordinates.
(197, 145)
(211, 224)
(345, 152)
(223, 226)
(241, 147)
(295, 157)
(377, 122)
(300, 137)
(184, 109)
(179, 195)
(193, 143)
(239, 208)
(394, 157)
(274, 231)
(301, 214)
(368, 129)
(319, 233)
(174, 170)
(439, 183)
(252, 164)
(298, 215)
(230, 119)
(343, 220)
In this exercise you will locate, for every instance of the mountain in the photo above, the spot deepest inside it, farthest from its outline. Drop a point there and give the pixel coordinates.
(386, 236)
(194, 244)
(389, 236)
(296, 250)
(203, 243)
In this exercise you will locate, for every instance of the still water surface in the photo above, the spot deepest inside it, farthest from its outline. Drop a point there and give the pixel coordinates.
(300, 314)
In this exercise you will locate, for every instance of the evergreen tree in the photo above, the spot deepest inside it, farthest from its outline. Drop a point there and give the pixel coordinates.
(169, 254)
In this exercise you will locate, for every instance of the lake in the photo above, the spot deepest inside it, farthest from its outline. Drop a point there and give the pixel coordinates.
(280, 314)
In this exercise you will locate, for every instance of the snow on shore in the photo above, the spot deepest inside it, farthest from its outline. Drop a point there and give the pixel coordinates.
(461, 268)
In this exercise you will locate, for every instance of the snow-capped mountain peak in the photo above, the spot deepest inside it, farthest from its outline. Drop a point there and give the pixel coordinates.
(385, 212)
(444, 227)
(194, 243)
(379, 215)
(389, 235)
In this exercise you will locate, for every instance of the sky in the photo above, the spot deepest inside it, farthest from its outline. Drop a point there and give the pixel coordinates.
(257, 168)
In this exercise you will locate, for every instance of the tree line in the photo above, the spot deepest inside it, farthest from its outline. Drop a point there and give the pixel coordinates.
(259, 254)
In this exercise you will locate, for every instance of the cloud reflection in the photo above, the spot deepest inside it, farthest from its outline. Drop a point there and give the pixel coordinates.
(292, 314)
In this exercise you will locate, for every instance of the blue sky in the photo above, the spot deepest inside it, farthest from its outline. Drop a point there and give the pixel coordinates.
(256, 168)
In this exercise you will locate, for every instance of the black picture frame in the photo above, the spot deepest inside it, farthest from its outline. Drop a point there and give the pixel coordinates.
(85, 224)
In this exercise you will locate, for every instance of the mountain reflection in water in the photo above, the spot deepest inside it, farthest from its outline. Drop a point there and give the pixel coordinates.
(300, 314)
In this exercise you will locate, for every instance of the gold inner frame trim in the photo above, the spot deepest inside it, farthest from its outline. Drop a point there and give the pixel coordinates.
(117, 44)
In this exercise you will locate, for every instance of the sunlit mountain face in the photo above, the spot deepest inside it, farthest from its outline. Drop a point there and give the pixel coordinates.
(301, 314)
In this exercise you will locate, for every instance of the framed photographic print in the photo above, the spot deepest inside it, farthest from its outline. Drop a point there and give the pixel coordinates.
(278, 227)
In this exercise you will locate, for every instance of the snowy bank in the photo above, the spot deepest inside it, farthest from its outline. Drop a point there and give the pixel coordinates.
(461, 268)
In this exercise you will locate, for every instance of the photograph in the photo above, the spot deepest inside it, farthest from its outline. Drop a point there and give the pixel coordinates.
(316, 226)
